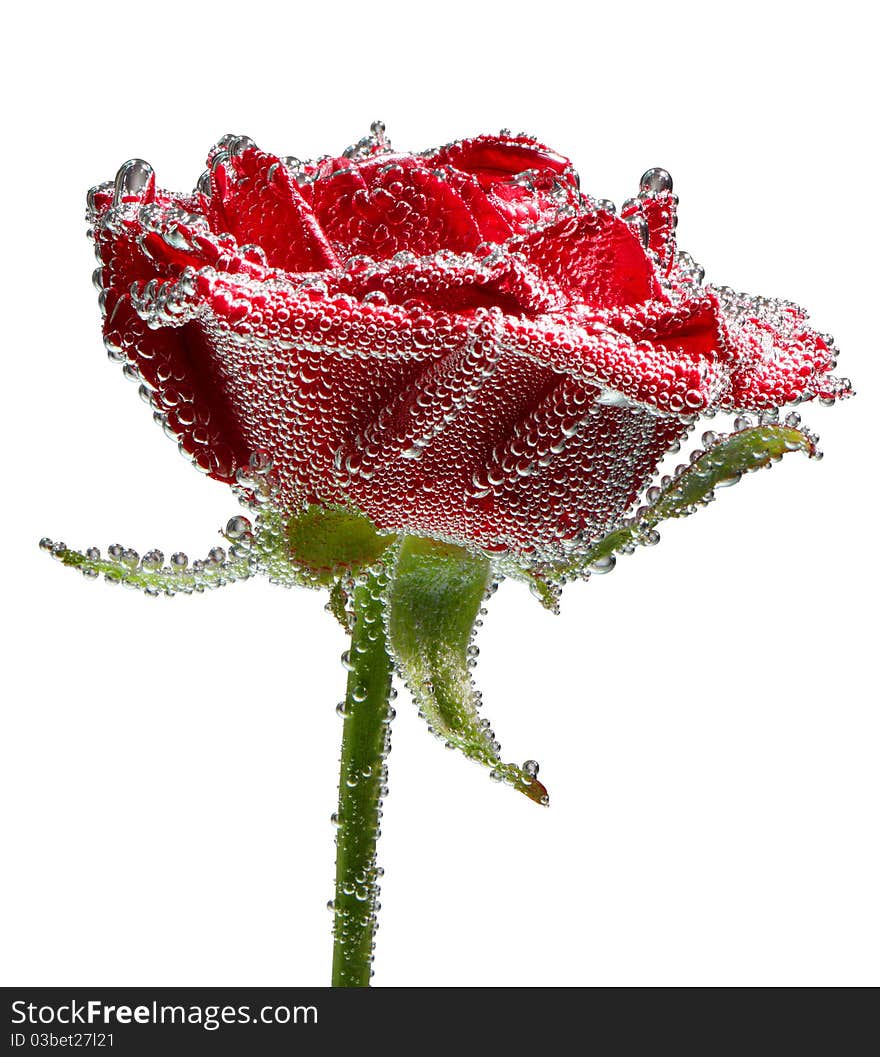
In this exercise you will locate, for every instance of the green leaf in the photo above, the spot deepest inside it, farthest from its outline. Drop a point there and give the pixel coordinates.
(434, 598)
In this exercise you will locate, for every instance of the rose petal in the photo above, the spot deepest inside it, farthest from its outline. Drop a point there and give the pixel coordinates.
(527, 181)
(255, 198)
(594, 257)
(456, 283)
(659, 211)
(384, 207)
(495, 159)
(771, 370)
(491, 221)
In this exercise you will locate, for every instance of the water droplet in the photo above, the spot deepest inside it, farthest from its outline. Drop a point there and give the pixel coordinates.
(132, 180)
(640, 226)
(655, 180)
(238, 528)
(603, 565)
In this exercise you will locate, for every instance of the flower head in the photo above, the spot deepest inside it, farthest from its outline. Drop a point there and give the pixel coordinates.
(459, 344)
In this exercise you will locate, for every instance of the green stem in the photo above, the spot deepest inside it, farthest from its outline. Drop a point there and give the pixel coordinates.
(362, 774)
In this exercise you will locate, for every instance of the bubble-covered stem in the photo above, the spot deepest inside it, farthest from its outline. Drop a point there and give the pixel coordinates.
(362, 774)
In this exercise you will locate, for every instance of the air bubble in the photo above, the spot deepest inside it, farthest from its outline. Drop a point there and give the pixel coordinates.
(655, 180)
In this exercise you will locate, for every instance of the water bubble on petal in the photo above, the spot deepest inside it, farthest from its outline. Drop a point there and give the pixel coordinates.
(640, 226)
(239, 144)
(131, 180)
(655, 180)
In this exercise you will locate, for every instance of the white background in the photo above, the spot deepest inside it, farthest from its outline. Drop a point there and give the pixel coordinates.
(706, 717)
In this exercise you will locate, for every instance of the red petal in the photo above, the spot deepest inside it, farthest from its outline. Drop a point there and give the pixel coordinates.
(456, 283)
(570, 468)
(525, 460)
(177, 364)
(255, 198)
(493, 225)
(305, 371)
(495, 159)
(527, 182)
(594, 257)
(383, 207)
(643, 371)
(659, 211)
(771, 370)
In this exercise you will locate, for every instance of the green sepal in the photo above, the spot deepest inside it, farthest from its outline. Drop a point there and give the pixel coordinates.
(721, 465)
(434, 598)
(327, 542)
(166, 580)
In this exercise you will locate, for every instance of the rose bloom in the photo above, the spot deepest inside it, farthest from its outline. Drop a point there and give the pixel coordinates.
(460, 343)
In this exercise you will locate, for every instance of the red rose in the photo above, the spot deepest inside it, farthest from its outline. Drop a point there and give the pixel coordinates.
(466, 349)
(459, 343)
